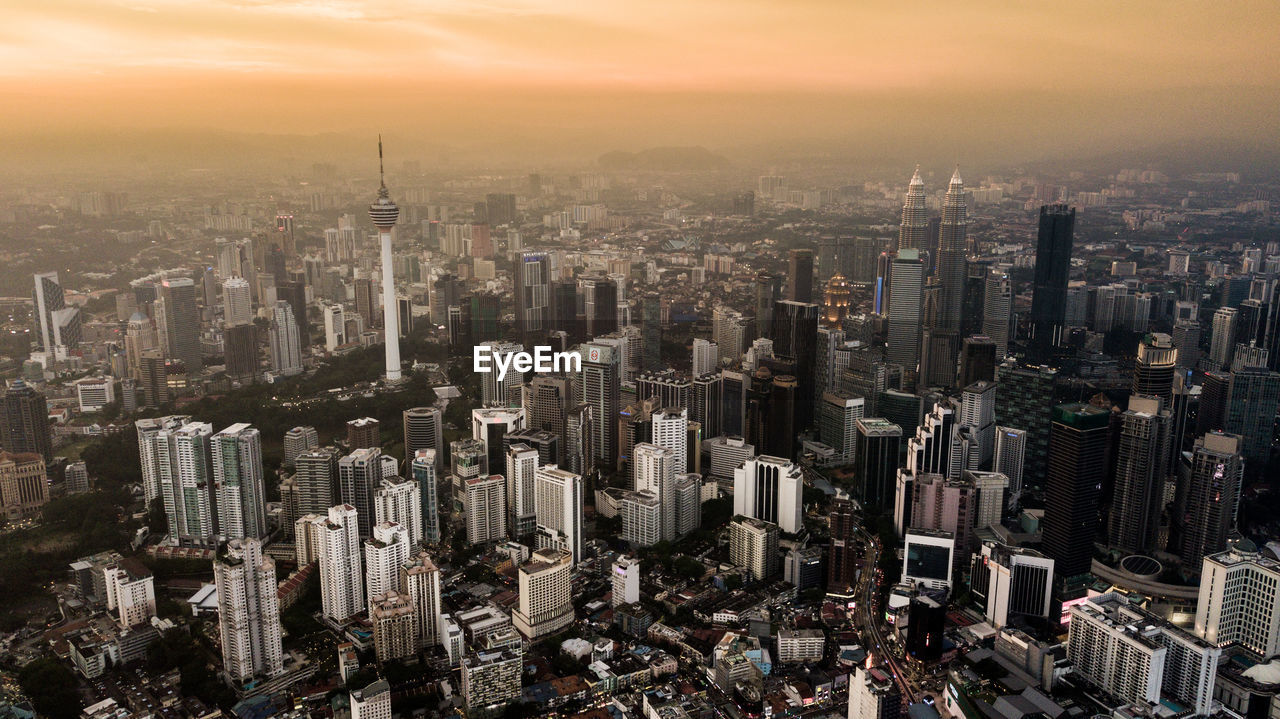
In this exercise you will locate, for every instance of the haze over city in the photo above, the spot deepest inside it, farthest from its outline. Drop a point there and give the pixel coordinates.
(512, 82)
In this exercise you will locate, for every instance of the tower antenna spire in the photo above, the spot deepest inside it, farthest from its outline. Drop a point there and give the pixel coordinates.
(382, 179)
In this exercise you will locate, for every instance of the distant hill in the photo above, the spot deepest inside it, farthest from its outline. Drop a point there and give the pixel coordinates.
(664, 159)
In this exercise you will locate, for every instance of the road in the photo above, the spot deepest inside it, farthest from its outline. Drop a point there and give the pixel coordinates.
(869, 618)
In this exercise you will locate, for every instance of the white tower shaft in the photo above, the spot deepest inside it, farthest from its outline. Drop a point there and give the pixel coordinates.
(390, 316)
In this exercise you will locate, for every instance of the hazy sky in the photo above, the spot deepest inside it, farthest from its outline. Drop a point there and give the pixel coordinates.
(728, 70)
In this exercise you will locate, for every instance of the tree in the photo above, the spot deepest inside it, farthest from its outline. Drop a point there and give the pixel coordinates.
(51, 687)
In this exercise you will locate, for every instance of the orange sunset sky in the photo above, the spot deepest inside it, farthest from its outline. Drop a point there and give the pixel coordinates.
(663, 70)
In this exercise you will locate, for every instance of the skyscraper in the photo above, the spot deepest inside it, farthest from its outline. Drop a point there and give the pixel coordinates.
(363, 432)
(795, 338)
(1142, 453)
(558, 507)
(298, 440)
(384, 213)
(706, 356)
(316, 475)
(546, 599)
(521, 470)
(1210, 480)
(770, 488)
(248, 611)
(420, 579)
(843, 557)
(341, 570)
(486, 509)
(1253, 399)
(237, 301)
(424, 469)
(184, 463)
(181, 322)
(399, 500)
(877, 462)
(237, 474)
(423, 429)
(46, 300)
(1153, 372)
(914, 230)
(24, 421)
(286, 343)
(1008, 457)
(753, 545)
(997, 307)
(1049, 289)
(1222, 341)
(654, 471)
(359, 476)
(1077, 467)
(600, 305)
(906, 311)
(1024, 396)
(953, 239)
(599, 387)
(1238, 601)
(533, 293)
(384, 554)
(800, 276)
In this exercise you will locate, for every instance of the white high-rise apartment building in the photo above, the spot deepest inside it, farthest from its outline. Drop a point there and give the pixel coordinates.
(1240, 601)
(420, 579)
(641, 518)
(671, 430)
(486, 509)
(237, 301)
(753, 545)
(655, 472)
(522, 467)
(298, 440)
(771, 489)
(546, 597)
(131, 593)
(384, 554)
(148, 432)
(248, 611)
(706, 356)
(1134, 656)
(237, 474)
(341, 570)
(399, 500)
(185, 460)
(626, 581)
(558, 508)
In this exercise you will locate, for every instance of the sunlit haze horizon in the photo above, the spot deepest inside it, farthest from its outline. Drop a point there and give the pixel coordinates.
(510, 81)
